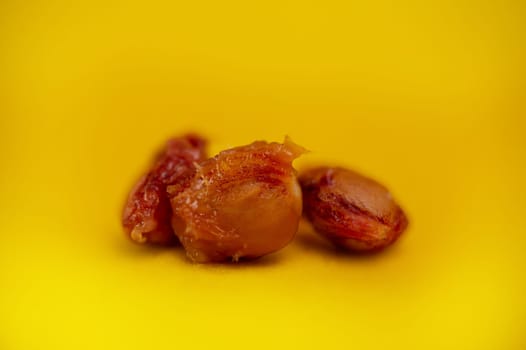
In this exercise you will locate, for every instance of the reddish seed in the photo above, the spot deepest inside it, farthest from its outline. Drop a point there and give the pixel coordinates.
(147, 213)
(353, 211)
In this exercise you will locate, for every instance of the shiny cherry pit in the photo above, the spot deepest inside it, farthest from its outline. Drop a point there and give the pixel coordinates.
(247, 202)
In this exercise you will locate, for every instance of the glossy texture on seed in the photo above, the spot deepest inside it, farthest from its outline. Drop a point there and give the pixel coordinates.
(353, 211)
(147, 213)
(243, 203)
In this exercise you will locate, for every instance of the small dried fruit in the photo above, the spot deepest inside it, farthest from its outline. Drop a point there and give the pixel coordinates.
(243, 203)
(147, 213)
(351, 210)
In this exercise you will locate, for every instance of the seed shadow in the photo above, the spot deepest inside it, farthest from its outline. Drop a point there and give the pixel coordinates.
(313, 243)
(146, 251)
(266, 261)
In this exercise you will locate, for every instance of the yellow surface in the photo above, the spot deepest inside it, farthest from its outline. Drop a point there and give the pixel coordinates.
(427, 97)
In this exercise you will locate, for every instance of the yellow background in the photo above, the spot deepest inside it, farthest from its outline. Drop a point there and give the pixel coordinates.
(427, 97)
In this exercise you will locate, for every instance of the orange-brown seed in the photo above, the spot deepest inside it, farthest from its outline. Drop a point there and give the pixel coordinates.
(243, 203)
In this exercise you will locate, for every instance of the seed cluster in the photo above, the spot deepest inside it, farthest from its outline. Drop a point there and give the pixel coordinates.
(247, 202)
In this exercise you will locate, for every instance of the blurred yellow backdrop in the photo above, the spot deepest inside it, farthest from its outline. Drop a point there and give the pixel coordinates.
(427, 97)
